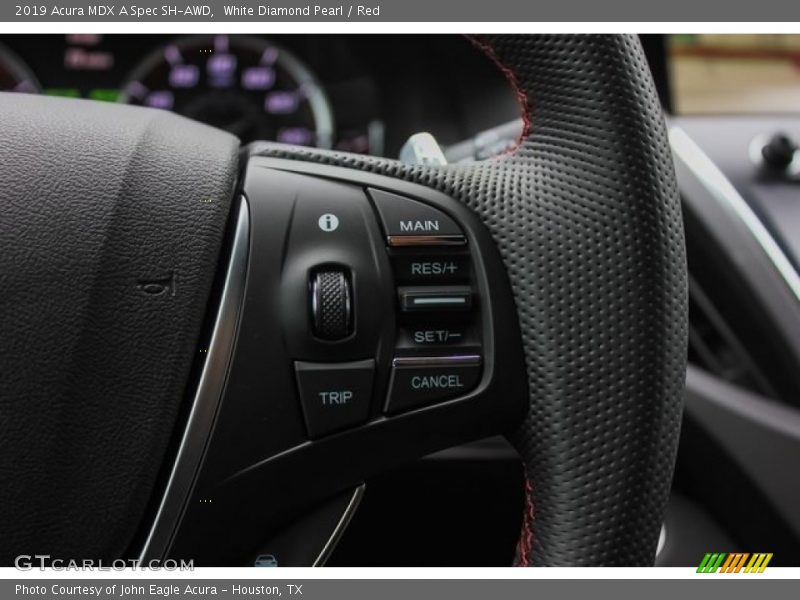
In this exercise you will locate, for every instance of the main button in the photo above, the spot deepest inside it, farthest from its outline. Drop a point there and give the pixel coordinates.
(438, 298)
(408, 222)
(334, 396)
(419, 381)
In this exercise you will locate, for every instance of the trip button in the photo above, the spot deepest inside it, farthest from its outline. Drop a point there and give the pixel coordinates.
(334, 396)
(408, 222)
(419, 381)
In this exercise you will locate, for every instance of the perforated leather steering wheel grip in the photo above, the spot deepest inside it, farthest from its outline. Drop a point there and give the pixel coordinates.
(586, 216)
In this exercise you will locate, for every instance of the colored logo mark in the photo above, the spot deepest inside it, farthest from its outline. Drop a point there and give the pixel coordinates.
(734, 563)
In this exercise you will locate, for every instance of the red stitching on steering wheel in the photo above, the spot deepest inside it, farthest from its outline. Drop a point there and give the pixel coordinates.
(519, 94)
(525, 543)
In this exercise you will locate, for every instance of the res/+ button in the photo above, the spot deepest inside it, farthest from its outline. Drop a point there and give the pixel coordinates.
(438, 269)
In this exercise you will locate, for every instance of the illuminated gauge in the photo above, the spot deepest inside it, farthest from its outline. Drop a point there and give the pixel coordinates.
(246, 85)
(14, 75)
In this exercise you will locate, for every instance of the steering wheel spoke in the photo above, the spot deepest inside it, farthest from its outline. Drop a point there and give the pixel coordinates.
(424, 351)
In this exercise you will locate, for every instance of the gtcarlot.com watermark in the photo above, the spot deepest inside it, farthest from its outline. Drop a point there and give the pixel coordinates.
(29, 562)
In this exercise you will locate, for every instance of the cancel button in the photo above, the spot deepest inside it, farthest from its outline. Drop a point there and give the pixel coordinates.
(417, 381)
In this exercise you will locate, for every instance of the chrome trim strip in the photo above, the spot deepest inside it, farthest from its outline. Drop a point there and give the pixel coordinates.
(436, 361)
(207, 398)
(662, 540)
(439, 300)
(396, 241)
(720, 188)
(340, 528)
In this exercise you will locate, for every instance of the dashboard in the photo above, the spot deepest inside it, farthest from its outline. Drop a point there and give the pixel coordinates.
(362, 94)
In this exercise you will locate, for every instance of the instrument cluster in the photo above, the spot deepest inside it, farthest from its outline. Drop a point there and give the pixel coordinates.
(363, 94)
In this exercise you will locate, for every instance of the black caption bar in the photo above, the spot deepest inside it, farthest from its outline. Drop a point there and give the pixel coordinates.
(473, 11)
(346, 589)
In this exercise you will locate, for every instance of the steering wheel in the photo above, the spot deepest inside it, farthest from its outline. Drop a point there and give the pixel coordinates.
(201, 342)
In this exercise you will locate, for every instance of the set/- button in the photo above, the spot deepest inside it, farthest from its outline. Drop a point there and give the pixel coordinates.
(408, 222)
(334, 396)
(424, 380)
(432, 335)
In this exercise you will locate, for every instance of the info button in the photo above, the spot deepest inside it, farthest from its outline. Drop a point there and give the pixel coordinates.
(421, 380)
(334, 396)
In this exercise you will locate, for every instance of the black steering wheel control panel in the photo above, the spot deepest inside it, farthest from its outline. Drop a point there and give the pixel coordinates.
(377, 325)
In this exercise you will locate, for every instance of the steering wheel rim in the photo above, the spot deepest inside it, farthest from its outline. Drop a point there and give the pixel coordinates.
(584, 212)
(586, 215)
